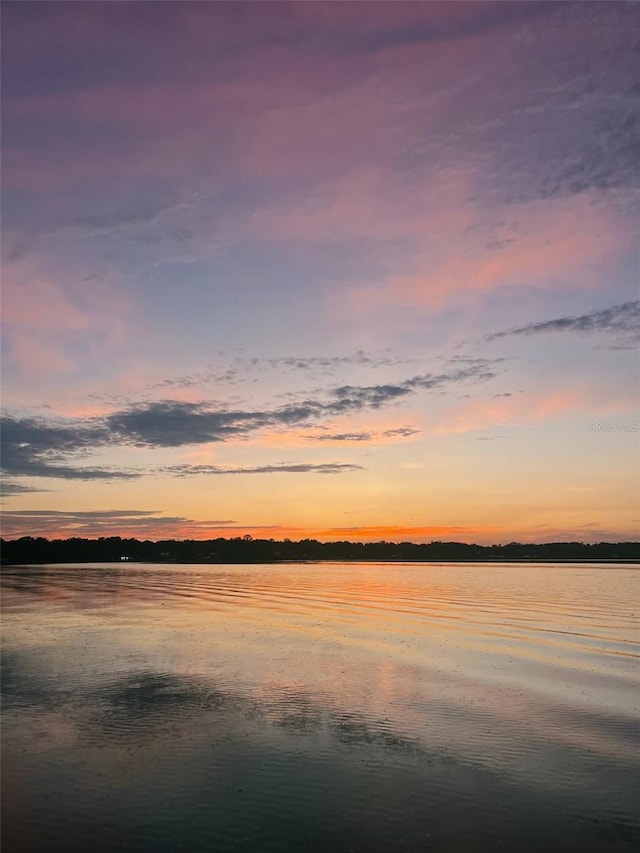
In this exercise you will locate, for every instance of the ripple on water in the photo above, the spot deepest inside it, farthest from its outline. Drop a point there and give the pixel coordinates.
(373, 707)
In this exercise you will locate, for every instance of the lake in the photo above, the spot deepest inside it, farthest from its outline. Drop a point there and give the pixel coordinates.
(320, 707)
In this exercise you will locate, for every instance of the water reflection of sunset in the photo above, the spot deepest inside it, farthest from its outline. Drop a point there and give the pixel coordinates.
(451, 676)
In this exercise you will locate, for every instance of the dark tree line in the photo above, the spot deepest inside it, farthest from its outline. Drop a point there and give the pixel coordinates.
(245, 549)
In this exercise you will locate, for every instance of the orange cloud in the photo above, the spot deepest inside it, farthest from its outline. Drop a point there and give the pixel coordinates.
(201, 530)
(397, 532)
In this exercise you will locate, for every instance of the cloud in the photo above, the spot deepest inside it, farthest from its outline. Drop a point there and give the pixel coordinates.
(590, 533)
(400, 432)
(359, 358)
(620, 321)
(242, 367)
(616, 131)
(11, 488)
(38, 437)
(353, 398)
(41, 448)
(397, 533)
(404, 432)
(544, 243)
(68, 472)
(125, 219)
(117, 522)
(284, 468)
(92, 513)
(172, 423)
(341, 436)
(54, 313)
(419, 92)
(153, 524)
(36, 448)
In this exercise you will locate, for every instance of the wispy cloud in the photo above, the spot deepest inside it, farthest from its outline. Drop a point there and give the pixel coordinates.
(622, 322)
(283, 468)
(400, 432)
(118, 522)
(70, 472)
(350, 397)
(53, 312)
(241, 368)
(341, 436)
(11, 488)
(43, 448)
(366, 435)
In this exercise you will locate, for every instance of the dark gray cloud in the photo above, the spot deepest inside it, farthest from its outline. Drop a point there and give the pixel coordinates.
(84, 514)
(329, 364)
(43, 437)
(41, 448)
(36, 448)
(284, 468)
(33, 468)
(353, 398)
(400, 432)
(11, 488)
(224, 376)
(341, 436)
(169, 423)
(619, 321)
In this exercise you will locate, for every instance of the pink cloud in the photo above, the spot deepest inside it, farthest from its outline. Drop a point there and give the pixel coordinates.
(283, 108)
(276, 110)
(556, 244)
(47, 323)
(535, 407)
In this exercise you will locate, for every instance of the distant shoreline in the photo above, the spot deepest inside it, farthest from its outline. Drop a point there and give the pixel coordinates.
(494, 562)
(246, 550)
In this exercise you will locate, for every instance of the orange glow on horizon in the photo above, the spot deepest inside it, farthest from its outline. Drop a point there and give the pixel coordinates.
(203, 531)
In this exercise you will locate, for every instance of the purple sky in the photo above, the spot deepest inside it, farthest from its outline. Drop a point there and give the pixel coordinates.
(345, 270)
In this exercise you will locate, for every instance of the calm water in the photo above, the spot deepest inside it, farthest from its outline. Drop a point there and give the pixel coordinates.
(322, 707)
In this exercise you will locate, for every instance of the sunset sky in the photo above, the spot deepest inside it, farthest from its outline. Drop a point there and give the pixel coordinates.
(341, 270)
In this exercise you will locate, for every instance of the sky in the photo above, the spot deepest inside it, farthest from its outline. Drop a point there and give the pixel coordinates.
(334, 270)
